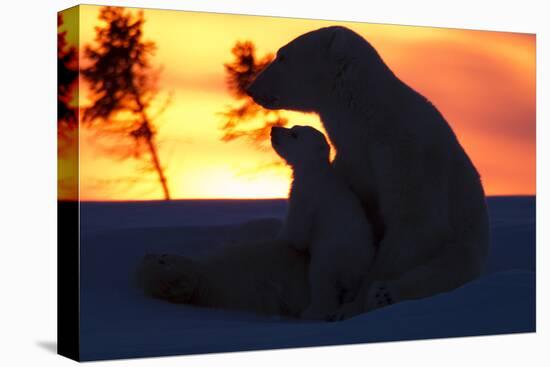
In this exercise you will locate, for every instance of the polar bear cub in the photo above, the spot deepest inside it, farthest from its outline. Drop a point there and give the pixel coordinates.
(325, 218)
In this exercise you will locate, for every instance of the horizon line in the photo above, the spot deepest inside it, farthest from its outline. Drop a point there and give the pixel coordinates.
(241, 199)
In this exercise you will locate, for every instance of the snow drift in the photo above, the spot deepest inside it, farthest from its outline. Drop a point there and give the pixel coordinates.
(118, 321)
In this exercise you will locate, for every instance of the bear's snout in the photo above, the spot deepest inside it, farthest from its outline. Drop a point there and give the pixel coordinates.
(276, 134)
(263, 99)
(251, 90)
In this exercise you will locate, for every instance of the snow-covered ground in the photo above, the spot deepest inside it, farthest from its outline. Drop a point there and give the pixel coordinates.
(117, 321)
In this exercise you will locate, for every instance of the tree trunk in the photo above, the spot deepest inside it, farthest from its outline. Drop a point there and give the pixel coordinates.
(158, 167)
(148, 135)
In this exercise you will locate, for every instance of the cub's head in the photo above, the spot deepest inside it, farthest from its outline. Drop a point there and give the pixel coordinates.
(300, 146)
(171, 277)
(303, 75)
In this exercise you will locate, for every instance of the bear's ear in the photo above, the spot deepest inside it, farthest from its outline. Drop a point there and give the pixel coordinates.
(331, 38)
(337, 49)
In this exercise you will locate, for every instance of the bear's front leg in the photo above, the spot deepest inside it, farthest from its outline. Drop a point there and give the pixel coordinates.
(373, 295)
(325, 293)
(413, 194)
(380, 294)
(295, 236)
(297, 228)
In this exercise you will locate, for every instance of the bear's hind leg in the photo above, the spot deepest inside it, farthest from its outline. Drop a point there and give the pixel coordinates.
(171, 277)
(450, 269)
(454, 267)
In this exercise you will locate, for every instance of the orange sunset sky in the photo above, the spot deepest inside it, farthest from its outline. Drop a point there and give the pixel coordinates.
(482, 82)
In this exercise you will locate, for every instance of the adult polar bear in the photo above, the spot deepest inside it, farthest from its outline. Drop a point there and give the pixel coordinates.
(398, 154)
(418, 186)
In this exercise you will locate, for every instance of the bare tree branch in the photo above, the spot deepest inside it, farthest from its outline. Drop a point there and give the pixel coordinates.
(123, 86)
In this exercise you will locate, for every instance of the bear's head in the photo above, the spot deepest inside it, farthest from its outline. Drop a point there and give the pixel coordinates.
(171, 277)
(305, 72)
(300, 146)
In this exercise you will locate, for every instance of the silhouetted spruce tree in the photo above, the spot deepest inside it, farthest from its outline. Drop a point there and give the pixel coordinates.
(123, 84)
(239, 74)
(67, 84)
